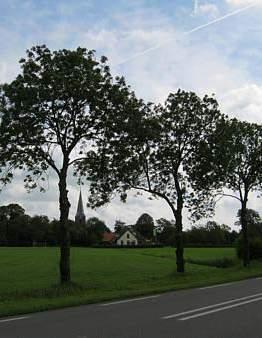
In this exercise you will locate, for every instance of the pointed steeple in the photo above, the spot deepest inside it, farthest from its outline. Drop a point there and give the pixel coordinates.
(80, 215)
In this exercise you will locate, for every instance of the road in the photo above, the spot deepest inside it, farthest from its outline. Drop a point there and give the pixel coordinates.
(232, 310)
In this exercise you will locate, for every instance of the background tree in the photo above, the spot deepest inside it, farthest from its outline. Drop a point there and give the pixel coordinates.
(154, 152)
(119, 226)
(39, 227)
(11, 217)
(210, 234)
(254, 222)
(234, 158)
(145, 226)
(54, 115)
(166, 231)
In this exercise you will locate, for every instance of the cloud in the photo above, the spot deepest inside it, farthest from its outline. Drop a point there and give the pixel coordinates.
(238, 3)
(244, 102)
(209, 10)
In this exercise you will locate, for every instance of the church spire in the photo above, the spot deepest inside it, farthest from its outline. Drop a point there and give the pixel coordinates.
(80, 215)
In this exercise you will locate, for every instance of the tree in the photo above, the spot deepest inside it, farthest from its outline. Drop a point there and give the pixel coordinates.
(234, 158)
(145, 226)
(209, 234)
(39, 227)
(119, 226)
(97, 225)
(166, 231)
(154, 152)
(254, 222)
(10, 215)
(54, 115)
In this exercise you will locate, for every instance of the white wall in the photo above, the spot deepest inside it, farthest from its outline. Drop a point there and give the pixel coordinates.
(127, 239)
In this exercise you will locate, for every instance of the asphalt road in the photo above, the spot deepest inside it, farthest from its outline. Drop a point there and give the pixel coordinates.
(231, 310)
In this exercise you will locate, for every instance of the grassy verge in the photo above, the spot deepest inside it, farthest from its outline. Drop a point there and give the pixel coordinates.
(29, 276)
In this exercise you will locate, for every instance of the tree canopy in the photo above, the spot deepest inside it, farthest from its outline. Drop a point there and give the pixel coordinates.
(56, 114)
(234, 158)
(155, 153)
(145, 226)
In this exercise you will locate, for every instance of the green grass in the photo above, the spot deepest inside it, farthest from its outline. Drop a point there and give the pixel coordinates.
(29, 276)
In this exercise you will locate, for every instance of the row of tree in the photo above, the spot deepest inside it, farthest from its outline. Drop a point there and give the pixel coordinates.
(17, 228)
(66, 110)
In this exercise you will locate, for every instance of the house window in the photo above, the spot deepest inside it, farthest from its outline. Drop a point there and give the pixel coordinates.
(127, 236)
(122, 242)
(134, 243)
(128, 242)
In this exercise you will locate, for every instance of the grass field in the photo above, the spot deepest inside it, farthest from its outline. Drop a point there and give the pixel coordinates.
(29, 276)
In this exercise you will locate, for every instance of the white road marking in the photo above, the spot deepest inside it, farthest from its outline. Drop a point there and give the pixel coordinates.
(12, 319)
(221, 309)
(211, 306)
(129, 300)
(216, 286)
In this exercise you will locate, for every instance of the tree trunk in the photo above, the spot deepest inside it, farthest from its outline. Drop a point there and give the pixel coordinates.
(246, 258)
(179, 242)
(180, 262)
(64, 206)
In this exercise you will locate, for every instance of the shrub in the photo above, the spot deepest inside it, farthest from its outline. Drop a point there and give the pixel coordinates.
(218, 262)
(255, 247)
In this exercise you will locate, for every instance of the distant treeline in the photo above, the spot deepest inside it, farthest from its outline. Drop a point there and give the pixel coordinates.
(19, 229)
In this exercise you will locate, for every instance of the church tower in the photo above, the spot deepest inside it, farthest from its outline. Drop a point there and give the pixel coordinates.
(80, 217)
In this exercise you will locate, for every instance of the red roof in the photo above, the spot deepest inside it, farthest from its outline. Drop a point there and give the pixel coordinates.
(108, 237)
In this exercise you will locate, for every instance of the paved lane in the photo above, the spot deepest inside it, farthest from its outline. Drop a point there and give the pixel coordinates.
(221, 311)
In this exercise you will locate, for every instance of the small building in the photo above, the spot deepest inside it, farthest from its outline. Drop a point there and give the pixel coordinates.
(127, 237)
(109, 238)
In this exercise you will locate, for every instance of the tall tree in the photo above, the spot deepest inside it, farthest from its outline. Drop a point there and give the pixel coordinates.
(10, 214)
(54, 115)
(155, 153)
(145, 226)
(234, 157)
(119, 226)
(254, 222)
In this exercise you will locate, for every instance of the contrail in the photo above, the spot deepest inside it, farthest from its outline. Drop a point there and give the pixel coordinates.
(195, 7)
(198, 28)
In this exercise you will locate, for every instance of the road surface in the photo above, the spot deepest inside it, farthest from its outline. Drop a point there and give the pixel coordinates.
(232, 310)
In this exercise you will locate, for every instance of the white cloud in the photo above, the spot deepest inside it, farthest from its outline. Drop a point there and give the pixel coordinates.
(244, 102)
(243, 2)
(208, 9)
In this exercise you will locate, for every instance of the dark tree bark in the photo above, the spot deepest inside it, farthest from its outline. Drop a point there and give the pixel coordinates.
(64, 205)
(243, 218)
(179, 230)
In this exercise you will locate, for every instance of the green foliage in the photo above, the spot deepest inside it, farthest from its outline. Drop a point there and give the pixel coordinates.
(218, 262)
(56, 114)
(255, 247)
(154, 151)
(254, 222)
(119, 226)
(210, 234)
(145, 226)
(166, 232)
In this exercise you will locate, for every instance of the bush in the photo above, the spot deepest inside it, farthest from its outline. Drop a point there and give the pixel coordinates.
(255, 247)
(218, 262)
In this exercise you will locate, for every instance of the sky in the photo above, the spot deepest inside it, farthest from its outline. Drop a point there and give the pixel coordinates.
(207, 46)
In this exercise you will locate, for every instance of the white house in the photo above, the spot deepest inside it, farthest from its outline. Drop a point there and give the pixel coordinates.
(127, 237)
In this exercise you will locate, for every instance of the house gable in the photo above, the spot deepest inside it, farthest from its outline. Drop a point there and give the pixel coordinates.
(127, 238)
